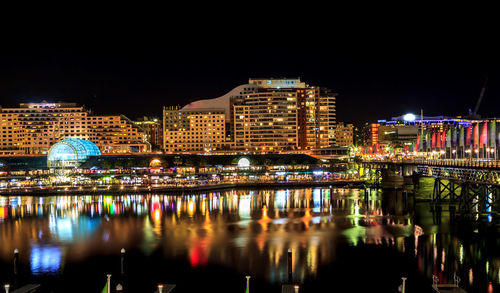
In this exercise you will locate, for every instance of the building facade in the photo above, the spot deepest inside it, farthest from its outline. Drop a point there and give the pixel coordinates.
(284, 115)
(153, 129)
(33, 128)
(265, 115)
(344, 134)
(435, 137)
(272, 121)
(191, 130)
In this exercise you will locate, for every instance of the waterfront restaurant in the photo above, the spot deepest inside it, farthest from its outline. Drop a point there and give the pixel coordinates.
(162, 170)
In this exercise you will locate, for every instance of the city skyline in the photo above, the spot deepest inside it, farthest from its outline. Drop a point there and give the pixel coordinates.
(246, 147)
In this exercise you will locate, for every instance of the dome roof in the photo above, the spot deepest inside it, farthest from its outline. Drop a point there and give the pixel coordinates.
(71, 152)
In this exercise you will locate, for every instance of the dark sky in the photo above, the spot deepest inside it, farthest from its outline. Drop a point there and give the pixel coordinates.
(381, 66)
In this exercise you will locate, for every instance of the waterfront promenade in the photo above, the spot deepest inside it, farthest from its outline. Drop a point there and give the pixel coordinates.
(172, 188)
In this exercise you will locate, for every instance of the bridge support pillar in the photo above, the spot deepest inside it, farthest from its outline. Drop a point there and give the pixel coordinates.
(479, 199)
(444, 190)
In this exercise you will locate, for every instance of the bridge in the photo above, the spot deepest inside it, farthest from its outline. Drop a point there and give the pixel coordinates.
(472, 185)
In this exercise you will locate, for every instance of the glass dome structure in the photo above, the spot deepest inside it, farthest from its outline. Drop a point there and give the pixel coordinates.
(71, 152)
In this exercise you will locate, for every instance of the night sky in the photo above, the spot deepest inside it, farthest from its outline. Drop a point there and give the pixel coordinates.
(380, 67)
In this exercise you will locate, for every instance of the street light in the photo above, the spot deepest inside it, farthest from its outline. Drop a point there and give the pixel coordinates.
(470, 154)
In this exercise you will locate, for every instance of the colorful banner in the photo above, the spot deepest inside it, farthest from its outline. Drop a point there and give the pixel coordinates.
(476, 135)
(493, 132)
(454, 137)
(461, 138)
(483, 141)
(448, 138)
(433, 140)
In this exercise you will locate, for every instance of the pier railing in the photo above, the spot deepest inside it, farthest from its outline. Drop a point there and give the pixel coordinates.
(478, 163)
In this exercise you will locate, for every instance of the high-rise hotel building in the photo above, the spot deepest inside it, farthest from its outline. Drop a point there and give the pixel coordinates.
(274, 115)
(192, 130)
(284, 115)
(33, 128)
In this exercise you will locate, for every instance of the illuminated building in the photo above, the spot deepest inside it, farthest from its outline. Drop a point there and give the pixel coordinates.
(34, 127)
(344, 134)
(71, 152)
(153, 129)
(273, 115)
(284, 114)
(374, 133)
(437, 137)
(241, 122)
(403, 130)
(116, 134)
(191, 130)
(363, 135)
(272, 121)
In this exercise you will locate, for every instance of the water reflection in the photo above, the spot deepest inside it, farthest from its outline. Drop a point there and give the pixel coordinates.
(248, 231)
(45, 259)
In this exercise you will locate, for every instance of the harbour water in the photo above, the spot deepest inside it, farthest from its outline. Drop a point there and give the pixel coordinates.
(210, 242)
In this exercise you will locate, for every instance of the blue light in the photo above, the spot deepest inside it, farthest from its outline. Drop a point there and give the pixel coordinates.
(45, 260)
(71, 152)
(316, 200)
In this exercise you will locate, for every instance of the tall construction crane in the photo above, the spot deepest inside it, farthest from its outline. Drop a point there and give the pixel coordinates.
(474, 114)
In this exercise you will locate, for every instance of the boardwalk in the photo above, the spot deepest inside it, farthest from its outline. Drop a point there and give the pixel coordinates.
(118, 189)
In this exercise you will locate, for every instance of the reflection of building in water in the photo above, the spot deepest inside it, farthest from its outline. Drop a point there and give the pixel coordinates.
(71, 229)
(444, 256)
(246, 231)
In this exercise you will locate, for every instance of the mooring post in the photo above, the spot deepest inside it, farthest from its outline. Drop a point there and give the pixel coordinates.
(122, 260)
(290, 276)
(404, 285)
(248, 284)
(16, 261)
(109, 283)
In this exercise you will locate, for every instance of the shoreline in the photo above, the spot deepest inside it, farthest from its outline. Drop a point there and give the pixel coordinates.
(117, 189)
